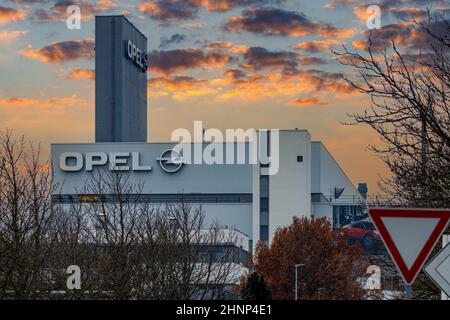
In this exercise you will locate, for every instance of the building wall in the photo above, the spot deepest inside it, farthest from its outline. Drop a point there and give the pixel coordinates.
(231, 193)
(237, 216)
(290, 188)
(192, 180)
(326, 175)
(120, 86)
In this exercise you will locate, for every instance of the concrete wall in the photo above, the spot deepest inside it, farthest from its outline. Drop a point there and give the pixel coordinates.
(120, 86)
(326, 174)
(290, 188)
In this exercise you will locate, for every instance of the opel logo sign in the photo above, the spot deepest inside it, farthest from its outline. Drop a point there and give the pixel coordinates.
(170, 161)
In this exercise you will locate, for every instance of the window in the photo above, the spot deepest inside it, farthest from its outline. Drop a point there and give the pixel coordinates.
(264, 184)
(264, 218)
(264, 187)
(299, 158)
(264, 233)
(264, 204)
(348, 214)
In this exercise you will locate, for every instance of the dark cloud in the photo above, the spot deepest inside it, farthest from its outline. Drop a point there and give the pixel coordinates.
(170, 61)
(167, 11)
(225, 5)
(309, 101)
(309, 61)
(278, 22)
(258, 58)
(29, 1)
(385, 4)
(324, 81)
(175, 38)
(177, 82)
(402, 34)
(408, 13)
(236, 74)
(62, 51)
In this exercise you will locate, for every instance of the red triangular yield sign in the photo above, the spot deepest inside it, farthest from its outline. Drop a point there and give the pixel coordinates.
(410, 235)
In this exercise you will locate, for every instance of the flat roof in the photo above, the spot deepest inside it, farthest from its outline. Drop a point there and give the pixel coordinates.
(126, 19)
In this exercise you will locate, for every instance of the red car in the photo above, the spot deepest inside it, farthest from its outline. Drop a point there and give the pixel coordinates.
(364, 232)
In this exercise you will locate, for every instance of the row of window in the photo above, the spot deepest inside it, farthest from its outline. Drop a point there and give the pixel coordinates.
(155, 198)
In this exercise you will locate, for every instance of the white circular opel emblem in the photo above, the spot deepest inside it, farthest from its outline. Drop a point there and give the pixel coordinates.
(170, 161)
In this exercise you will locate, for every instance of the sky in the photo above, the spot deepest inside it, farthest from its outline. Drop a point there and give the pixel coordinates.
(230, 63)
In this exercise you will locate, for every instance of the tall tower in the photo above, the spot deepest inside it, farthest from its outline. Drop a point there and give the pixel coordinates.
(120, 81)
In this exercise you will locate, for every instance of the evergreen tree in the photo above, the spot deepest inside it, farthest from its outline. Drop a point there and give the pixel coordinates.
(255, 289)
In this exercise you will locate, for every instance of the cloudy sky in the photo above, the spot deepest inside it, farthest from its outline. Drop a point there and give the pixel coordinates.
(230, 63)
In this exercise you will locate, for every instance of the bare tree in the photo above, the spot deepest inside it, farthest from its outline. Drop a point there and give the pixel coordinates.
(126, 246)
(145, 250)
(25, 218)
(410, 110)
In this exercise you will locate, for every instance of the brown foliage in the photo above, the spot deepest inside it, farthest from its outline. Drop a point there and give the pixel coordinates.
(331, 267)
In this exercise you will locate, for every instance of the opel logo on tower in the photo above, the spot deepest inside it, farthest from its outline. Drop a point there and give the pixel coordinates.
(170, 161)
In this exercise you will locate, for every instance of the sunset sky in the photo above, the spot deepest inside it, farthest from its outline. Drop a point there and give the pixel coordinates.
(230, 63)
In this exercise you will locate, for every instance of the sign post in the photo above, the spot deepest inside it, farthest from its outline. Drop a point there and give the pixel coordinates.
(445, 241)
(408, 292)
(409, 236)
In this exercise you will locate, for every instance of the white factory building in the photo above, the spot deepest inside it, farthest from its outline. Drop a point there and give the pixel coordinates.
(245, 196)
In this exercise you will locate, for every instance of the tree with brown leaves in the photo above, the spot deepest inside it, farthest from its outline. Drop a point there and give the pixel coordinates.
(329, 267)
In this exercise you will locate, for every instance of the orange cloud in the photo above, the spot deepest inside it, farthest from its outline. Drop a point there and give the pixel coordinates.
(81, 74)
(11, 15)
(335, 3)
(49, 103)
(317, 45)
(10, 35)
(236, 49)
(361, 12)
(253, 86)
(62, 51)
(105, 5)
(179, 88)
(310, 101)
(170, 61)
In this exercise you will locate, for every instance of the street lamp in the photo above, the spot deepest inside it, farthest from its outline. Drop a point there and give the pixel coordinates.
(296, 278)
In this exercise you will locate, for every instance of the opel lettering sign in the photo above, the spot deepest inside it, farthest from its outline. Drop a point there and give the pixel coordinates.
(116, 161)
(170, 161)
(133, 53)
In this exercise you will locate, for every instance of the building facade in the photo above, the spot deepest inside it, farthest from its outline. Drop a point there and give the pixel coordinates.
(244, 196)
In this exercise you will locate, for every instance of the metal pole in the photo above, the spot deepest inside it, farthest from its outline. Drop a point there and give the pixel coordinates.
(408, 292)
(445, 240)
(296, 286)
(296, 278)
